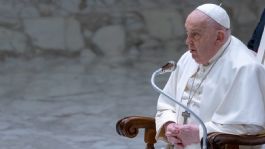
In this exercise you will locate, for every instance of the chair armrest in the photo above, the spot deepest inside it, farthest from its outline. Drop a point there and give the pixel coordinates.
(220, 139)
(129, 127)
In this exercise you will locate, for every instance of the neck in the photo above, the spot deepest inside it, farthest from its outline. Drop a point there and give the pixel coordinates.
(219, 52)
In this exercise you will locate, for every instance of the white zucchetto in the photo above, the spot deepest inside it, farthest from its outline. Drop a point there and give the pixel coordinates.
(217, 13)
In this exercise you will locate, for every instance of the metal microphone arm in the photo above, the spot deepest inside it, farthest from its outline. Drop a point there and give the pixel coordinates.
(161, 71)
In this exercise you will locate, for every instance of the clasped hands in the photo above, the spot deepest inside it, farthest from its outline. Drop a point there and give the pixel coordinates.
(182, 135)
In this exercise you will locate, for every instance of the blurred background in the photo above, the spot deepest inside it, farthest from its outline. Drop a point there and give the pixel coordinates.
(70, 69)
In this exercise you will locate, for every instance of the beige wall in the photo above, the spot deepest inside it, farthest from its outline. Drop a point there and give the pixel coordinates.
(109, 28)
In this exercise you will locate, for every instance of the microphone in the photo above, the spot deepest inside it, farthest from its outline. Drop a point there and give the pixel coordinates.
(170, 67)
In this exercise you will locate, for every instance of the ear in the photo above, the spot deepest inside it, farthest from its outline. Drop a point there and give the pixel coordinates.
(220, 37)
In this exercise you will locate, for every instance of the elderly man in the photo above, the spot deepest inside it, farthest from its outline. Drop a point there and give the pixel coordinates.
(218, 78)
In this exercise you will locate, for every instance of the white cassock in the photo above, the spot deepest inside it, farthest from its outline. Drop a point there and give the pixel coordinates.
(228, 94)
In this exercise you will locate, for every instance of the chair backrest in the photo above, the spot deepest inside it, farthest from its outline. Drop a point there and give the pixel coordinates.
(261, 50)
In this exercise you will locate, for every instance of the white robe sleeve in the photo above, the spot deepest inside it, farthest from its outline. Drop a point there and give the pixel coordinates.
(244, 102)
(166, 110)
(243, 105)
(231, 129)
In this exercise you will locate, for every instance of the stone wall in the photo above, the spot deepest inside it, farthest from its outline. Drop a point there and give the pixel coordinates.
(107, 28)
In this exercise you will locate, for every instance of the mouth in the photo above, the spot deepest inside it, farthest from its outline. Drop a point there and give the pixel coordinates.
(193, 51)
(194, 54)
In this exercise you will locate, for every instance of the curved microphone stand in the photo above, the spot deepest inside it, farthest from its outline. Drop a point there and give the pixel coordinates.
(169, 67)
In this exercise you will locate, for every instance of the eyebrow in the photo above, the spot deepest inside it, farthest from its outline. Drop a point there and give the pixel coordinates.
(195, 30)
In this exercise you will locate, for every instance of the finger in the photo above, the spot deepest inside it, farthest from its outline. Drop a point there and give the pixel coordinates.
(174, 140)
(171, 134)
(189, 134)
(173, 127)
(172, 131)
(179, 146)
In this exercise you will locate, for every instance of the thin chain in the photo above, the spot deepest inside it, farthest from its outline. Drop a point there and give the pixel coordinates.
(190, 97)
(205, 76)
(195, 91)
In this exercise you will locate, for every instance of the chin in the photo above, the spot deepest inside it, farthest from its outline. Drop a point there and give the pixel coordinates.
(196, 59)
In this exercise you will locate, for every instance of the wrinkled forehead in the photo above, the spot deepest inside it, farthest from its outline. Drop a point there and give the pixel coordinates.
(196, 20)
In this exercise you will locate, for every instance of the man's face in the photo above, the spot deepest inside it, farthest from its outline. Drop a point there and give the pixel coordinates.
(200, 37)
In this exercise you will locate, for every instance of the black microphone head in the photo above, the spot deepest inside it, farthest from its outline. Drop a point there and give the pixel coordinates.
(168, 67)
